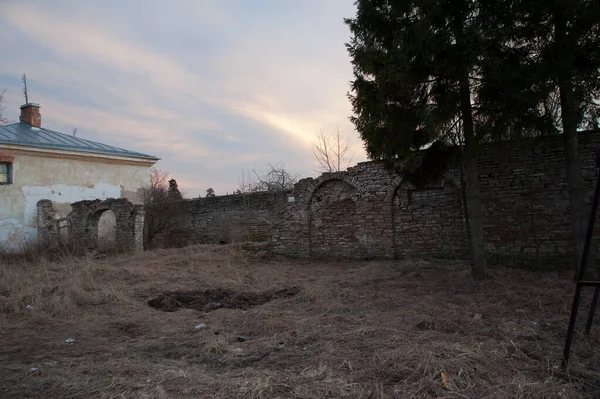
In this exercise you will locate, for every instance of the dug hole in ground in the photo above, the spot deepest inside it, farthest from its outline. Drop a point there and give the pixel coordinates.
(229, 322)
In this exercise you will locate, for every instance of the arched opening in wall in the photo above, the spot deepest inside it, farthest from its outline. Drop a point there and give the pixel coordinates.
(107, 231)
(62, 226)
(332, 219)
(428, 222)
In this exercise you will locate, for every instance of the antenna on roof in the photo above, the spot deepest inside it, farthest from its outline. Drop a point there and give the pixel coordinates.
(74, 132)
(25, 89)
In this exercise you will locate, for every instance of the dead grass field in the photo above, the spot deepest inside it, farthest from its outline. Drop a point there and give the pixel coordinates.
(380, 329)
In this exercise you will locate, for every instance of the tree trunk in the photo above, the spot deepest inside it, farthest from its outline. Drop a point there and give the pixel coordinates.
(569, 121)
(574, 179)
(478, 268)
(146, 239)
(463, 200)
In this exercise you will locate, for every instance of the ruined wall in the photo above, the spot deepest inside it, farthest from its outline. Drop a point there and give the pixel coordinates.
(526, 202)
(83, 225)
(232, 218)
(429, 222)
(367, 212)
(63, 180)
(333, 219)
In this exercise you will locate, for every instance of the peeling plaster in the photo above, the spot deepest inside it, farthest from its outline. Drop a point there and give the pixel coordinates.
(65, 194)
(13, 234)
(62, 181)
(14, 231)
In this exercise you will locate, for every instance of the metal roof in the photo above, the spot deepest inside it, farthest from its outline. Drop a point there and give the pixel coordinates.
(24, 134)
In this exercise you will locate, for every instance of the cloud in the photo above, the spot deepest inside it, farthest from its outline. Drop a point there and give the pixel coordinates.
(210, 87)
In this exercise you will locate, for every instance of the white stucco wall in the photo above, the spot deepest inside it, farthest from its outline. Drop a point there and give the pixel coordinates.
(63, 181)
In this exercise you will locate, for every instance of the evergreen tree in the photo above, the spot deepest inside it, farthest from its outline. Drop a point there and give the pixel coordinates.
(416, 66)
(173, 191)
(210, 193)
(548, 49)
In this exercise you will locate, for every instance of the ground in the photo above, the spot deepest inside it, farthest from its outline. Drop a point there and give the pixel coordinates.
(259, 327)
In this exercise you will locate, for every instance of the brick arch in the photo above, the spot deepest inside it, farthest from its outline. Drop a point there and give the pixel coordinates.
(85, 216)
(449, 179)
(333, 176)
(452, 178)
(320, 239)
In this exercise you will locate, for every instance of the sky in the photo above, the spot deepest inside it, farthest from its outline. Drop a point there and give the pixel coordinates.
(214, 88)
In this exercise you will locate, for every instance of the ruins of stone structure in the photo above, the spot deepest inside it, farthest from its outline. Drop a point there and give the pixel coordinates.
(367, 212)
(82, 225)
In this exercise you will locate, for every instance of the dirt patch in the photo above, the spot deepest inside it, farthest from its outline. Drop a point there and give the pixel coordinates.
(440, 326)
(131, 330)
(361, 329)
(208, 300)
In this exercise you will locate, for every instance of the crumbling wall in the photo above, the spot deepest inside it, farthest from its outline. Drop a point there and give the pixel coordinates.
(526, 200)
(332, 213)
(129, 224)
(429, 221)
(48, 236)
(225, 219)
(347, 210)
(83, 224)
(368, 212)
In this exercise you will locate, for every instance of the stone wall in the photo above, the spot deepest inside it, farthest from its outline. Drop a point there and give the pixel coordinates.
(368, 212)
(83, 225)
(225, 219)
(46, 225)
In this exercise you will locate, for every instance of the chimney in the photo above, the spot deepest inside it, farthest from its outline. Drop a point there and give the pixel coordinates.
(30, 114)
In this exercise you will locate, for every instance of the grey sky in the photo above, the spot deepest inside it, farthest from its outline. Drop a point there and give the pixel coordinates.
(211, 87)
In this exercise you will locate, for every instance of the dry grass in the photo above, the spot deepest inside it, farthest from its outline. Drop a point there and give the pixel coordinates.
(356, 330)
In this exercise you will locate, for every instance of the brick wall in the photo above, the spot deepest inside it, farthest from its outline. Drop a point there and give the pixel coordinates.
(525, 197)
(231, 218)
(46, 226)
(429, 222)
(368, 212)
(83, 224)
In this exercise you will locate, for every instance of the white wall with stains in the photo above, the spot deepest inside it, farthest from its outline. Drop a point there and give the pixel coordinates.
(63, 181)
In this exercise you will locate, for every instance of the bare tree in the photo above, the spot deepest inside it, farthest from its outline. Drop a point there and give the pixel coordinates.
(330, 150)
(274, 178)
(158, 177)
(161, 208)
(3, 120)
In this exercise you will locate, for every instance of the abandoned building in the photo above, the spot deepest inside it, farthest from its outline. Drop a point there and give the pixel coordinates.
(41, 164)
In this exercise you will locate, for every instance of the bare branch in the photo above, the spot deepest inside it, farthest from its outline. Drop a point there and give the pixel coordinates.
(272, 179)
(330, 151)
(158, 177)
(161, 208)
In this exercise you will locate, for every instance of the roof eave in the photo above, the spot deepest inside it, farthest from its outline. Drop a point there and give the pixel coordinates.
(79, 152)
